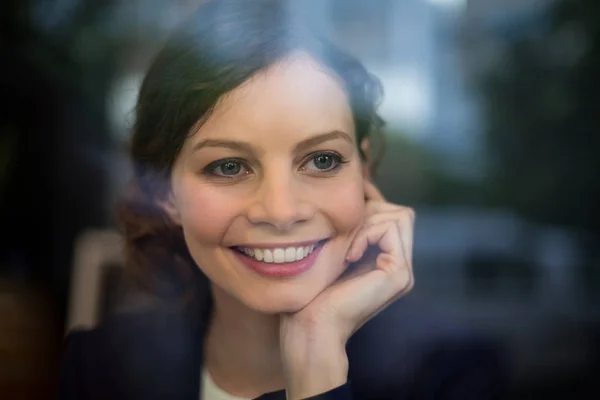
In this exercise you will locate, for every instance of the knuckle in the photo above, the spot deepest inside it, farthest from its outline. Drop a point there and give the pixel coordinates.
(403, 281)
(408, 285)
(411, 212)
(408, 214)
(411, 283)
(413, 215)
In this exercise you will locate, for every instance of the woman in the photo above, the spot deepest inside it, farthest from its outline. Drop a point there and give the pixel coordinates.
(252, 200)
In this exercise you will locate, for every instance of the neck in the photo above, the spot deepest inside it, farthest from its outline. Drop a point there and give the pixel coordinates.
(242, 350)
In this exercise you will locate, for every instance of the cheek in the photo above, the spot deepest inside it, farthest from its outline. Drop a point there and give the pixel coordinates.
(205, 213)
(346, 205)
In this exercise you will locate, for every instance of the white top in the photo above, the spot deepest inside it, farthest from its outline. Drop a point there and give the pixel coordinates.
(210, 391)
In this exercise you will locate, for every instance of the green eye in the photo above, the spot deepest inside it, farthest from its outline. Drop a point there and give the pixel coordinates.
(324, 162)
(227, 168)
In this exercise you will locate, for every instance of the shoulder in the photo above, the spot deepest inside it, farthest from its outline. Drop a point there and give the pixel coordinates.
(145, 354)
(86, 362)
(407, 351)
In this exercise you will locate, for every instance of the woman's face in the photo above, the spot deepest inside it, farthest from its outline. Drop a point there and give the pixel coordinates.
(269, 190)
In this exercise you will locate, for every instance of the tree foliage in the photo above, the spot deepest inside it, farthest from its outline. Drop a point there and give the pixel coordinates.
(543, 114)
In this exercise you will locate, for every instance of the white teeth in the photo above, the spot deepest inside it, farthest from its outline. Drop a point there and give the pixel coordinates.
(268, 256)
(279, 255)
(290, 254)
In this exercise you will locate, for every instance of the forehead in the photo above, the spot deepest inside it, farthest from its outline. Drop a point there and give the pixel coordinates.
(295, 97)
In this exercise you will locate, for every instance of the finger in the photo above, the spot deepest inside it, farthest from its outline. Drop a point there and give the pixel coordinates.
(385, 235)
(396, 213)
(405, 218)
(406, 284)
(374, 290)
(375, 206)
(371, 191)
(407, 232)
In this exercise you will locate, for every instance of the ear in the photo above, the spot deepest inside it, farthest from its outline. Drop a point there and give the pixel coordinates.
(169, 205)
(365, 146)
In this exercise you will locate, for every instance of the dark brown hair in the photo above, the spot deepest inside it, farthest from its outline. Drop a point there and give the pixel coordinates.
(223, 45)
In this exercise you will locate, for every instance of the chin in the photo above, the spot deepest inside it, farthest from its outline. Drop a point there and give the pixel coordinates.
(290, 301)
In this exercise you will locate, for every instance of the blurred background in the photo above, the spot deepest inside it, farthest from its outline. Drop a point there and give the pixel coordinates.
(492, 136)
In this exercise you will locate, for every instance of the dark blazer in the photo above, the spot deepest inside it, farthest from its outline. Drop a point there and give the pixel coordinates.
(400, 354)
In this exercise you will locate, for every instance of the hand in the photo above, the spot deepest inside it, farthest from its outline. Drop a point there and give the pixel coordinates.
(313, 339)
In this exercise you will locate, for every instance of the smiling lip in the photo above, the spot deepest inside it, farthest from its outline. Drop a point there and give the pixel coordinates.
(281, 270)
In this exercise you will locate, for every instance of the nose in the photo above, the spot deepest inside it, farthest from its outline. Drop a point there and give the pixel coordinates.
(279, 202)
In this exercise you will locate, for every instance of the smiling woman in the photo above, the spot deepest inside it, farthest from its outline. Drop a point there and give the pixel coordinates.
(254, 175)
(252, 194)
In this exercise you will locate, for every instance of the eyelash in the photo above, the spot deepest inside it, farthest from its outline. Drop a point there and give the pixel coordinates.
(210, 169)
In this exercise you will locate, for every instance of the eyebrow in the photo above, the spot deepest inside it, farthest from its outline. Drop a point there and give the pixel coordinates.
(300, 147)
